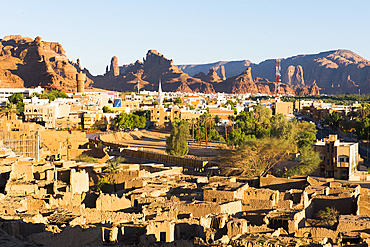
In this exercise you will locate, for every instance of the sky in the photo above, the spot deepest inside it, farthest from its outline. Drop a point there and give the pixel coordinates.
(191, 31)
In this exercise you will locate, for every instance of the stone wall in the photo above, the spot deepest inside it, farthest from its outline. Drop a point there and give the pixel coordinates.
(112, 202)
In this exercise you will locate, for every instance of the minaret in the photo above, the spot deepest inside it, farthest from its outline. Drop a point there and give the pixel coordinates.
(160, 92)
(81, 78)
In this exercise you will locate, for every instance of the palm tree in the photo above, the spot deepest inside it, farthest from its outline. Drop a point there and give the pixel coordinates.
(113, 168)
(353, 113)
(363, 111)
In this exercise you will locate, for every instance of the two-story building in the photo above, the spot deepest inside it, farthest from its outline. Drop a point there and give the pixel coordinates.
(339, 159)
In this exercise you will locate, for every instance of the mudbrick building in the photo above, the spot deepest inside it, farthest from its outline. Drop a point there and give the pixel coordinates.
(56, 203)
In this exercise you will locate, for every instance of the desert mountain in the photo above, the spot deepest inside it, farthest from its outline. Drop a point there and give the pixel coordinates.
(25, 62)
(154, 67)
(338, 71)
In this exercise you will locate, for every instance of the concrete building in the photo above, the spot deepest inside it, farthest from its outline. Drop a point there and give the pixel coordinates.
(339, 159)
(5, 93)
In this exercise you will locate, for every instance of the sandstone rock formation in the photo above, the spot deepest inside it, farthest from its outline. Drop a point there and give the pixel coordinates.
(114, 68)
(308, 90)
(329, 69)
(222, 72)
(224, 69)
(244, 83)
(31, 63)
(9, 80)
(154, 67)
(211, 77)
(294, 76)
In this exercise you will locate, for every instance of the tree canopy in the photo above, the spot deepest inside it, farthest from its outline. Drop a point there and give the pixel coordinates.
(268, 139)
(176, 143)
(257, 156)
(127, 121)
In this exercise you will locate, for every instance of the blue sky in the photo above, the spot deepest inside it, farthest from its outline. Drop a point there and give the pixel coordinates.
(190, 32)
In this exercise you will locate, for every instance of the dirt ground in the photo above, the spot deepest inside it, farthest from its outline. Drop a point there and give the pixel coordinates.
(156, 142)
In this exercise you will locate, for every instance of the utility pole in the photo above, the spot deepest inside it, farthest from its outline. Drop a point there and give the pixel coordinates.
(225, 131)
(205, 127)
(199, 133)
(192, 125)
(277, 74)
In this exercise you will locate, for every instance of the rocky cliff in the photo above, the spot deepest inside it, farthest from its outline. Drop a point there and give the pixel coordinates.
(154, 67)
(244, 83)
(148, 72)
(338, 71)
(25, 62)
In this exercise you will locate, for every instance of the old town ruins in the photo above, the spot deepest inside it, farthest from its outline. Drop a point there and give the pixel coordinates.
(51, 201)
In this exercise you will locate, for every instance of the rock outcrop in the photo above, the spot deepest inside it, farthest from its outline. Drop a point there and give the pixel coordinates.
(244, 83)
(154, 67)
(114, 68)
(329, 69)
(30, 63)
(211, 77)
(222, 72)
(294, 76)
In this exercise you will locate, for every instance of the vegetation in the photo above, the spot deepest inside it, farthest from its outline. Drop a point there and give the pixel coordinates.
(176, 143)
(52, 95)
(262, 140)
(333, 120)
(308, 162)
(177, 101)
(127, 121)
(113, 168)
(204, 128)
(329, 215)
(256, 157)
(363, 129)
(15, 104)
(339, 99)
(86, 158)
(106, 109)
(231, 103)
(145, 113)
(103, 186)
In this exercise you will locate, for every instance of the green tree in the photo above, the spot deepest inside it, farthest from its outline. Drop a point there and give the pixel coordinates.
(363, 129)
(329, 215)
(127, 121)
(178, 101)
(256, 157)
(145, 113)
(86, 158)
(217, 119)
(106, 109)
(363, 111)
(112, 169)
(103, 185)
(237, 138)
(15, 98)
(176, 143)
(309, 160)
(333, 119)
(262, 114)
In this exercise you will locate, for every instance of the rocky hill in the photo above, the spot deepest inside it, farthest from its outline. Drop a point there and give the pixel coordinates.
(338, 71)
(25, 62)
(154, 67)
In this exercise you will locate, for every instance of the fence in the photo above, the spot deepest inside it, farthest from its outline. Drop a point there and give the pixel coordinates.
(164, 158)
(27, 146)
